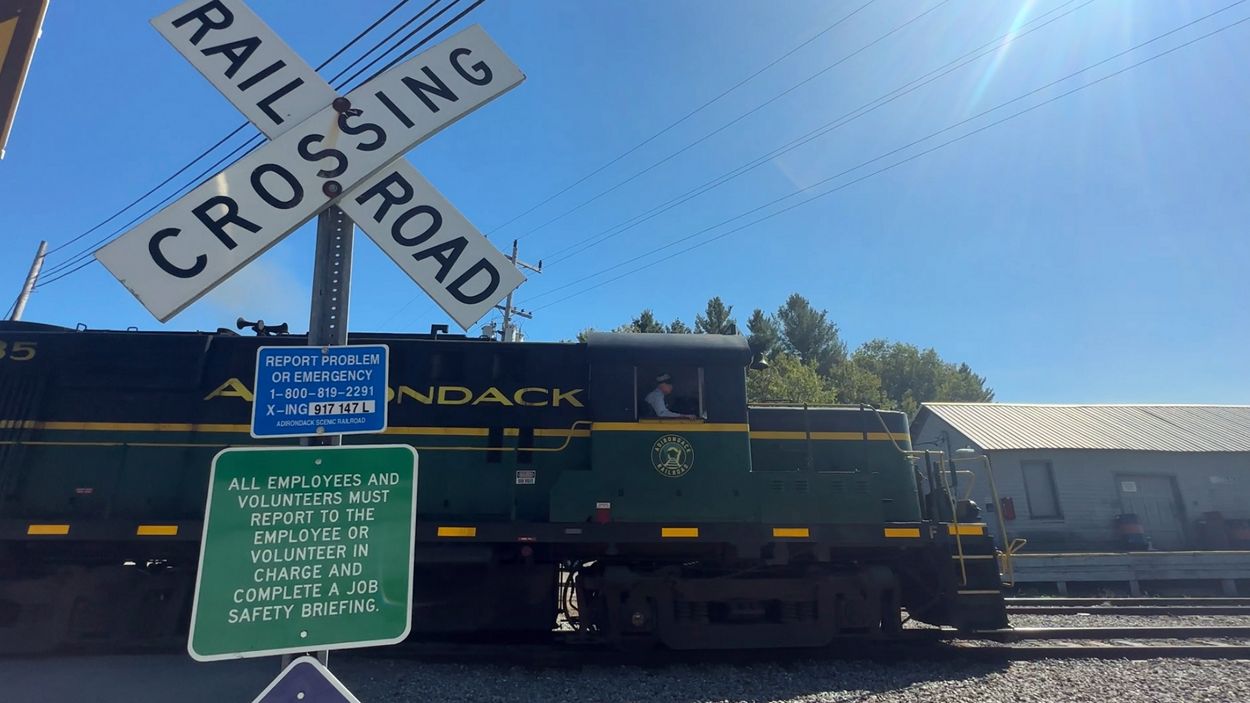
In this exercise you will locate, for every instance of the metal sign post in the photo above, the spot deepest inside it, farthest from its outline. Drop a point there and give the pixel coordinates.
(332, 278)
(327, 318)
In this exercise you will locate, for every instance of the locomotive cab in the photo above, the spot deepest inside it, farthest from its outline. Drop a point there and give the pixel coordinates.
(652, 469)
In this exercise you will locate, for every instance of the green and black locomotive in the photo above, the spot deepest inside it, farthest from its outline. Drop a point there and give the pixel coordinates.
(549, 492)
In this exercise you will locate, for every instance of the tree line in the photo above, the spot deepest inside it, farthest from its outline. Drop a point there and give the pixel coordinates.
(808, 362)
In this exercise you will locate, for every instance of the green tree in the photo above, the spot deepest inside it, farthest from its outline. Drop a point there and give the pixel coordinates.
(678, 327)
(763, 334)
(644, 322)
(808, 334)
(910, 376)
(856, 384)
(585, 334)
(961, 384)
(789, 380)
(716, 318)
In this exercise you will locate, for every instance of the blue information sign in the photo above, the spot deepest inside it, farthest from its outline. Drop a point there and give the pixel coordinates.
(305, 680)
(311, 391)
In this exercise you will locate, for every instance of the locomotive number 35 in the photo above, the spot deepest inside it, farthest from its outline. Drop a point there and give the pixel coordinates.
(17, 351)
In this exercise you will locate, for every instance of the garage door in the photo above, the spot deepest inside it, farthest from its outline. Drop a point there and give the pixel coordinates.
(1154, 500)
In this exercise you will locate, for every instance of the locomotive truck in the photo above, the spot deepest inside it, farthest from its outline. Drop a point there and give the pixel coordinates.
(546, 493)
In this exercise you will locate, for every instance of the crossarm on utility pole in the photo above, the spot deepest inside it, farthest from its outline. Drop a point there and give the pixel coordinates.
(507, 308)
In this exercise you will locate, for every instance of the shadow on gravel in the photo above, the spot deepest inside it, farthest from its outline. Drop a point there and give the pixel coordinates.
(821, 679)
(684, 678)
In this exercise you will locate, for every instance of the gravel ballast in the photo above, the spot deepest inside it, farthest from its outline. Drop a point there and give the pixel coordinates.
(375, 679)
(144, 679)
(1023, 620)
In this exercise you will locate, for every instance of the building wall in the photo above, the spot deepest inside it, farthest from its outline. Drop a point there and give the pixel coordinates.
(1087, 484)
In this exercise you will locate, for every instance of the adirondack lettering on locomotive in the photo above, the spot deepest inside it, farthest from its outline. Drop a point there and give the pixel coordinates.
(529, 396)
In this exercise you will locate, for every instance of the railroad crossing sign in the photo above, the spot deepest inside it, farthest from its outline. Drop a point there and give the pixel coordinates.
(305, 680)
(312, 391)
(305, 548)
(323, 150)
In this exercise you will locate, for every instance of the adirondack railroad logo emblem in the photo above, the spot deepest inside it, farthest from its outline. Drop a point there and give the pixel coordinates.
(672, 455)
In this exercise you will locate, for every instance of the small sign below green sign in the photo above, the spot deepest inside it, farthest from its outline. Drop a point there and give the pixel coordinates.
(304, 549)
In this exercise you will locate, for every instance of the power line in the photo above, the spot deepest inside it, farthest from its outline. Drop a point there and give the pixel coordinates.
(255, 142)
(397, 44)
(985, 49)
(732, 122)
(154, 188)
(656, 135)
(368, 29)
(251, 145)
(994, 45)
(401, 308)
(56, 278)
(223, 140)
(739, 118)
(908, 159)
(409, 51)
(683, 118)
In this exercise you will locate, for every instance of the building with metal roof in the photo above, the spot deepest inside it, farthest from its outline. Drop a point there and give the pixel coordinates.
(1103, 477)
(1151, 428)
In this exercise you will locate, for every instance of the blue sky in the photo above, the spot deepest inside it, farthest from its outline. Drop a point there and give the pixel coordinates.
(1091, 250)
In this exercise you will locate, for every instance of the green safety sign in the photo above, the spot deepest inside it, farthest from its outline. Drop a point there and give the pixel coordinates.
(305, 548)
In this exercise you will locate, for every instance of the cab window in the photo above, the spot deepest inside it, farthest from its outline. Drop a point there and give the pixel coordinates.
(685, 390)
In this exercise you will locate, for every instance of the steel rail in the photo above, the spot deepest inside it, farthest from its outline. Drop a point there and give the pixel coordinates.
(1182, 632)
(1043, 601)
(1102, 650)
(1140, 610)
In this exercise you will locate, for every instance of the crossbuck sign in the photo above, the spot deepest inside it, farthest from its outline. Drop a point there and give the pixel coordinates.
(324, 150)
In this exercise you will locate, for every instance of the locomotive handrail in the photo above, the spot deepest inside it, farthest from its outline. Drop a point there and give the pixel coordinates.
(1010, 547)
(959, 540)
(888, 432)
(568, 438)
(814, 406)
(972, 481)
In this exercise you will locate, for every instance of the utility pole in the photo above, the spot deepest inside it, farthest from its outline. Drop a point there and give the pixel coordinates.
(509, 332)
(33, 275)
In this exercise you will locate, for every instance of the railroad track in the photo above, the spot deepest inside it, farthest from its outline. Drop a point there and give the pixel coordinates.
(1009, 644)
(1128, 606)
(1201, 642)
(1129, 642)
